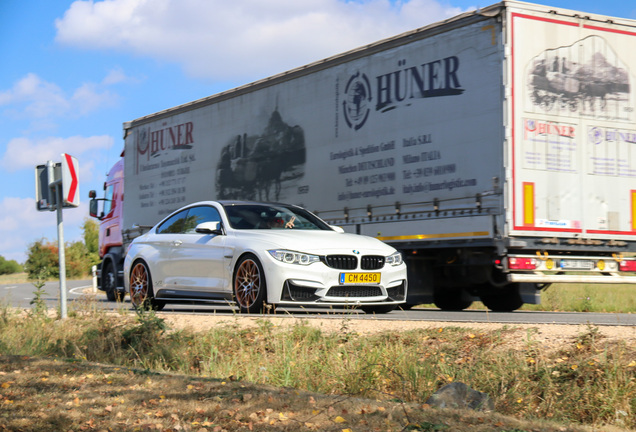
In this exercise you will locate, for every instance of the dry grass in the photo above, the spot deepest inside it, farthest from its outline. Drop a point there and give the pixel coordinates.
(43, 394)
(15, 278)
(299, 377)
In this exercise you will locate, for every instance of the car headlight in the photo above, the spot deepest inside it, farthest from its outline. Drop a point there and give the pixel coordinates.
(394, 259)
(291, 257)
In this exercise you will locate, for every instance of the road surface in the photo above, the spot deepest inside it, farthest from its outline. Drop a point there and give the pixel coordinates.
(21, 296)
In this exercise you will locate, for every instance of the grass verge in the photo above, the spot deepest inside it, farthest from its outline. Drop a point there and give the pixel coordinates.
(152, 377)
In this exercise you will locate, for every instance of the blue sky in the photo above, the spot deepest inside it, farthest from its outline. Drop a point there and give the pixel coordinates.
(74, 71)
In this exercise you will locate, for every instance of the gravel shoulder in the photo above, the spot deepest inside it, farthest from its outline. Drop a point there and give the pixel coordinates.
(549, 336)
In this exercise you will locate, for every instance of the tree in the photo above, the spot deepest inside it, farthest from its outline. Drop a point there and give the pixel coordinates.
(42, 257)
(91, 235)
(9, 266)
(78, 262)
(80, 257)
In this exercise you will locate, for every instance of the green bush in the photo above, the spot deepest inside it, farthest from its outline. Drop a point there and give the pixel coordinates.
(80, 256)
(42, 257)
(79, 260)
(91, 236)
(9, 266)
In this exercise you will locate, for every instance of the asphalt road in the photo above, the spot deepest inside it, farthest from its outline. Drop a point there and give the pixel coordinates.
(21, 295)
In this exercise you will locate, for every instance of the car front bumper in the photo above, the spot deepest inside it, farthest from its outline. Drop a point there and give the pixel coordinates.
(318, 284)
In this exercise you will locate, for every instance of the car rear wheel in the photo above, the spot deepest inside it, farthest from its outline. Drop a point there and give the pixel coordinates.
(142, 295)
(249, 285)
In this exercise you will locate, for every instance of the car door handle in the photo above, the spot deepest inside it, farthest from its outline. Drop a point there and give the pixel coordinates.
(176, 243)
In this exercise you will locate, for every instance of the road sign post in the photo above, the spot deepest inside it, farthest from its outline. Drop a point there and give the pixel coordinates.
(56, 188)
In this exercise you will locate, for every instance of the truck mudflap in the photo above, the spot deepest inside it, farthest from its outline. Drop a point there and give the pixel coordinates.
(545, 268)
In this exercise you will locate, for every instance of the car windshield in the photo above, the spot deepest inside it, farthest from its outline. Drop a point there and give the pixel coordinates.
(265, 216)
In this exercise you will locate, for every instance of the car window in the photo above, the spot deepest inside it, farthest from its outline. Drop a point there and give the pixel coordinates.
(258, 216)
(197, 215)
(174, 224)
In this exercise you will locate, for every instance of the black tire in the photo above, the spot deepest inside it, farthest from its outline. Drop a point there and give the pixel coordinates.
(507, 299)
(249, 285)
(379, 309)
(109, 282)
(450, 300)
(141, 293)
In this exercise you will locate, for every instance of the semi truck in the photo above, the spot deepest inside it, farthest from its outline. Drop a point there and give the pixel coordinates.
(496, 150)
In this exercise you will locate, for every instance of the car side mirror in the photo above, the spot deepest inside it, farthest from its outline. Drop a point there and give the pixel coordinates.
(209, 228)
(337, 229)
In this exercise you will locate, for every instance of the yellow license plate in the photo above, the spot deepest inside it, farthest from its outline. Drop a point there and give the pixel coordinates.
(359, 278)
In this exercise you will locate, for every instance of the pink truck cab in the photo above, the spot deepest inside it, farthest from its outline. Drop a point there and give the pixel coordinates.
(109, 210)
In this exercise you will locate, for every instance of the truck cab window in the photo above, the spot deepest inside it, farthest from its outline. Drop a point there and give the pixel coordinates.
(108, 201)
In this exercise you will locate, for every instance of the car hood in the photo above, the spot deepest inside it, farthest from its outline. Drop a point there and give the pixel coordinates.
(316, 242)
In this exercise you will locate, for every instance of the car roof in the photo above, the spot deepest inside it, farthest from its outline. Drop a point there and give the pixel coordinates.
(240, 202)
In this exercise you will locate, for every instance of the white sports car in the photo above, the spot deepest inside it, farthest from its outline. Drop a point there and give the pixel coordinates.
(261, 253)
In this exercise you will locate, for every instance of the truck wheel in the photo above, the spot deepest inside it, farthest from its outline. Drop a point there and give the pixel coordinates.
(142, 295)
(451, 300)
(249, 285)
(380, 309)
(506, 300)
(109, 283)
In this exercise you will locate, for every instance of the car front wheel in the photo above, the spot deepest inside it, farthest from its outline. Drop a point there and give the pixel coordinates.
(141, 293)
(249, 285)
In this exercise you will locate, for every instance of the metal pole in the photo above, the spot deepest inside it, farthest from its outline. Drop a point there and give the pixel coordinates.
(60, 248)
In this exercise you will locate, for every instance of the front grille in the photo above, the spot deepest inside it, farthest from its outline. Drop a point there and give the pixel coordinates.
(341, 262)
(372, 262)
(354, 291)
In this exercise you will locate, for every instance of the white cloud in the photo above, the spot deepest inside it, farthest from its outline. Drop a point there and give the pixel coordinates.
(21, 224)
(20, 152)
(217, 39)
(20, 213)
(87, 98)
(117, 76)
(39, 99)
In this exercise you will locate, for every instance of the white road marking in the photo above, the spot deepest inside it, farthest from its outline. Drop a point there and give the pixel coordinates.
(78, 290)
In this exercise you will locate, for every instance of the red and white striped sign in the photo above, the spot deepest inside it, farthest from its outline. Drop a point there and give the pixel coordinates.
(70, 180)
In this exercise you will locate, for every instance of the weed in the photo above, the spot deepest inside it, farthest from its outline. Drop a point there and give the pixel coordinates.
(589, 338)
(39, 309)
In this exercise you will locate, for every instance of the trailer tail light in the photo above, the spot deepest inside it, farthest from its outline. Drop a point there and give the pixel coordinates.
(522, 263)
(627, 266)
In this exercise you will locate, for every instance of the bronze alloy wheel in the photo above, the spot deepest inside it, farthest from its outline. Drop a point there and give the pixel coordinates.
(249, 285)
(142, 296)
(139, 283)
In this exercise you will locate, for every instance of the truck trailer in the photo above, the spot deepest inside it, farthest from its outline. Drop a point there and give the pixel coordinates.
(496, 150)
